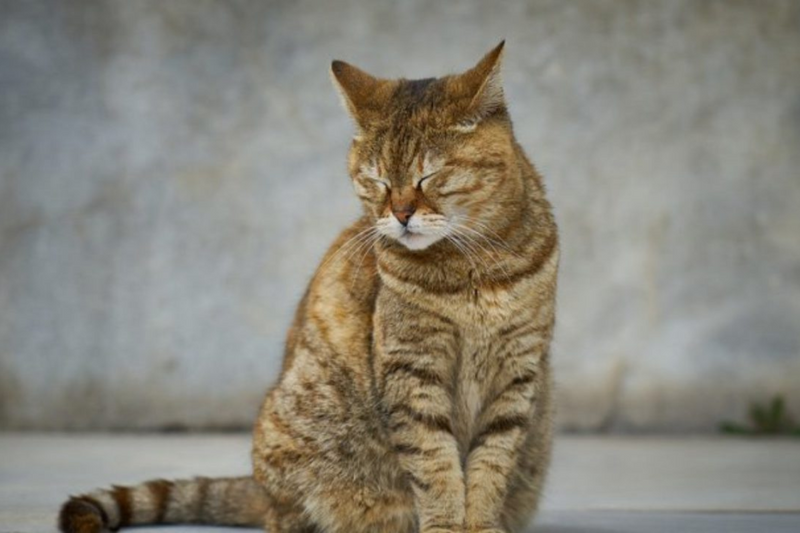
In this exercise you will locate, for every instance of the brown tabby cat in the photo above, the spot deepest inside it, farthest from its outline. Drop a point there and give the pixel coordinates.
(415, 390)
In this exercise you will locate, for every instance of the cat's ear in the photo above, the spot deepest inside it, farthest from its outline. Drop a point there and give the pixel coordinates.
(361, 93)
(483, 86)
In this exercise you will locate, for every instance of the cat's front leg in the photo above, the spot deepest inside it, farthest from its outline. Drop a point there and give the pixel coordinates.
(502, 428)
(413, 369)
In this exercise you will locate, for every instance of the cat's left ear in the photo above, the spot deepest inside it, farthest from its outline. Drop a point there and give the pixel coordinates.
(482, 86)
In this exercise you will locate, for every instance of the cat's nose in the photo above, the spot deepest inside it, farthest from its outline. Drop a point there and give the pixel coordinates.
(403, 214)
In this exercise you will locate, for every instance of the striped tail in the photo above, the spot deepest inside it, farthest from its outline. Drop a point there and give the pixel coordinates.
(237, 501)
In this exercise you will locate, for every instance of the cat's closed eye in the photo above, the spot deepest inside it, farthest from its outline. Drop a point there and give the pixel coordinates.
(425, 178)
(371, 189)
(384, 186)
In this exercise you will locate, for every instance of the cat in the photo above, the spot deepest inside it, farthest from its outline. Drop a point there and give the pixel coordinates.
(415, 391)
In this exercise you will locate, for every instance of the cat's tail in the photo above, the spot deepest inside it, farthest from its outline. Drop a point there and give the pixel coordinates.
(236, 501)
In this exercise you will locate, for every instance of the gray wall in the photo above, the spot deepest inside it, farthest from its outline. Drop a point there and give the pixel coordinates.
(171, 172)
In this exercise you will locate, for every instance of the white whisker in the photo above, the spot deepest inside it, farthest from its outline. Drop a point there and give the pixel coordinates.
(455, 242)
(486, 229)
(369, 247)
(349, 245)
(485, 251)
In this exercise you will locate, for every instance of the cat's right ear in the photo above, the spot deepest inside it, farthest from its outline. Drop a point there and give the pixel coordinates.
(361, 93)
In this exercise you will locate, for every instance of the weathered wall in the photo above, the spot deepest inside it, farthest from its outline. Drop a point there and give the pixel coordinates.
(171, 172)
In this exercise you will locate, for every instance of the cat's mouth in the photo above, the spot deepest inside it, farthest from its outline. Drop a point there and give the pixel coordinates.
(415, 240)
(418, 234)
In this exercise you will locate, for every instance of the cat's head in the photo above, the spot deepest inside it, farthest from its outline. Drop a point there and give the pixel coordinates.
(434, 158)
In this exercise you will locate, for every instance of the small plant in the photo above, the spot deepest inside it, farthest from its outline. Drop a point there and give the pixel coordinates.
(765, 419)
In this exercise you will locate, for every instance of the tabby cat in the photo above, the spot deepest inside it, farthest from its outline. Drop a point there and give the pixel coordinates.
(415, 388)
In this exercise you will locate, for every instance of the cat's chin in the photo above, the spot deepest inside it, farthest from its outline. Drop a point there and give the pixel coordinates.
(417, 241)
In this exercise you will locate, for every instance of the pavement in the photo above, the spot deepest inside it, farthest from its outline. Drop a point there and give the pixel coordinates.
(596, 485)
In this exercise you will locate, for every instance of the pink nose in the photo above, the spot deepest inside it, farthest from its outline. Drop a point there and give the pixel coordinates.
(404, 213)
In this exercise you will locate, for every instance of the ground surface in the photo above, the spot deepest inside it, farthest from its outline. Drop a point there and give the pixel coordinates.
(597, 484)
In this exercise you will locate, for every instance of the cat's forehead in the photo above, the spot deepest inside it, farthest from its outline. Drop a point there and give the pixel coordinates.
(415, 126)
(401, 144)
(417, 110)
(416, 95)
(412, 107)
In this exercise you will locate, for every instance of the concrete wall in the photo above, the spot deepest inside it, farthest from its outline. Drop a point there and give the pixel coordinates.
(171, 172)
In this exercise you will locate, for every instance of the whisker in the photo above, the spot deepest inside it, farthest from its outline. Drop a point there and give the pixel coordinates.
(482, 225)
(471, 246)
(369, 247)
(354, 239)
(349, 244)
(477, 245)
(455, 242)
(364, 242)
(489, 242)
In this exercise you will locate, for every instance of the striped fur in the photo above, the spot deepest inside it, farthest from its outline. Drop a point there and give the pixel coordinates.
(415, 389)
(223, 501)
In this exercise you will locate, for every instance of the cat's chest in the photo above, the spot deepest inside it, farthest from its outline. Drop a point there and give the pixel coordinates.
(474, 383)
